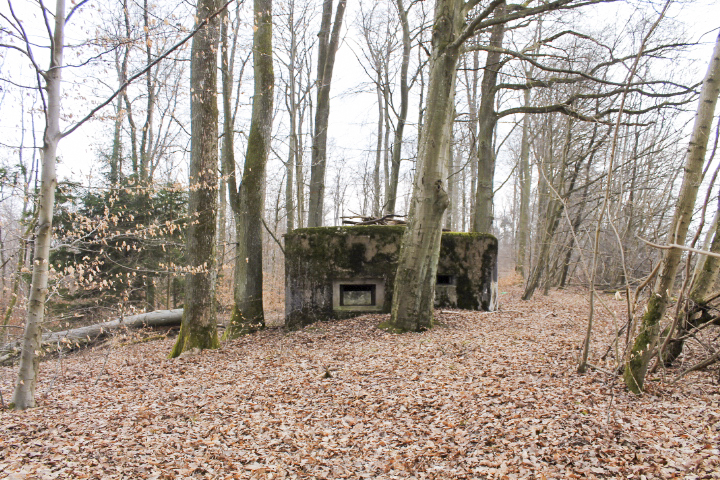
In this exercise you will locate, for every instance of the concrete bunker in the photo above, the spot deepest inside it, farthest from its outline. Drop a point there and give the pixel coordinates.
(341, 272)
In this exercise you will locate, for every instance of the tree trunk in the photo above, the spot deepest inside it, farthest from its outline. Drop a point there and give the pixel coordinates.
(639, 359)
(199, 323)
(24, 394)
(472, 124)
(451, 178)
(412, 305)
(291, 103)
(227, 150)
(379, 149)
(83, 336)
(328, 45)
(146, 140)
(705, 276)
(391, 195)
(525, 180)
(487, 119)
(248, 314)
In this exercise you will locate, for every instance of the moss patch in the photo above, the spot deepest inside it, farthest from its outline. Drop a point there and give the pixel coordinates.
(195, 336)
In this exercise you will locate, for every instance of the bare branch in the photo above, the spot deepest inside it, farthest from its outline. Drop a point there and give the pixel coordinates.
(144, 71)
(671, 246)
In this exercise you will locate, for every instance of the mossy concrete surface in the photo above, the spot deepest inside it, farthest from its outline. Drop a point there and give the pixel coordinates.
(315, 258)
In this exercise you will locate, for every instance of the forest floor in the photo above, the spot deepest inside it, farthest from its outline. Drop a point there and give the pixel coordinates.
(482, 395)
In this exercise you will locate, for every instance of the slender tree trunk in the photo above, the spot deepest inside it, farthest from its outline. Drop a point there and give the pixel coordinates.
(639, 359)
(487, 119)
(379, 149)
(116, 154)
(299, 174)
(472, 82)
(391, 196)
(24, 394)
(146, 139)
(290, 177)
(706, 273)
(412, 305)
(300, 157)
(199, 323)
(705, 277)
(451, 178)
(525, 180)
(248, 314)
(328, 45)
(553, 215)
(292, 109)
(582, 204)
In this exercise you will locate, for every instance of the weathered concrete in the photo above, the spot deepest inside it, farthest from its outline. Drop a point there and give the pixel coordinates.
(340, 272)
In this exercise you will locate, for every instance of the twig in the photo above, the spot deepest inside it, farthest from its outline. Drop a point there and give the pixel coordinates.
(102, 370)
(602, 370)
(480, 313)
(57, 370)
(144, 71)
(670, 246)
(273, 236)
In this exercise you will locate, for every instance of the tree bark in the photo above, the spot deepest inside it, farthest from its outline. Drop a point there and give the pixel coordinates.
(328, 45)
(639, 359)
(706, 273)
(199, 323)
(248, 313)
(391, 195)
(379, 150)
(525, 180)
(291, 103)
(83, 336)
(24, 394)
(487, 119)
(412, 305)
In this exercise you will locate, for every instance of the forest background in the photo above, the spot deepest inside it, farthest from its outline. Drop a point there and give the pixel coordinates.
(568, 138)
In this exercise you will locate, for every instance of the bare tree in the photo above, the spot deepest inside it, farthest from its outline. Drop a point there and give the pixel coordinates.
(199, 323)
(645, 343)
(328, 44)
(248, 200)
(415, 282)
(24, 394)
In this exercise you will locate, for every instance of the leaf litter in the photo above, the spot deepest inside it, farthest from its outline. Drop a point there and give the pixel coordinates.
(482, 395)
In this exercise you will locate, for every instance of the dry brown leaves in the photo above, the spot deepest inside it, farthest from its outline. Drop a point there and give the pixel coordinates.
(480, 396)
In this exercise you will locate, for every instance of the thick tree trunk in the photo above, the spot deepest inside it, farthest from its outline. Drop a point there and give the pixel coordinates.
(412, 305)
(199, 324)
(639, 359)
(24, 394)
(328, 45)
(83, 336)
(248, 314)
(487, 119)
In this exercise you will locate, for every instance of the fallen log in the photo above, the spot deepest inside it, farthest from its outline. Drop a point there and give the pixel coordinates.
(83, 336)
